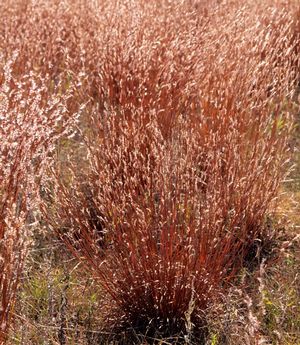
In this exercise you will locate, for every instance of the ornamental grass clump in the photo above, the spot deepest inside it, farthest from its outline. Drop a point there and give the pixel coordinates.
(186, 141)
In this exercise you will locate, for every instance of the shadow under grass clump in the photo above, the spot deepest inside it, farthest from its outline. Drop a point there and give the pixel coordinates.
(154, 334)
(265, 247)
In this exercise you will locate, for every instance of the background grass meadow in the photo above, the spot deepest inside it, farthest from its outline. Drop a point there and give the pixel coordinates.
(149, 172)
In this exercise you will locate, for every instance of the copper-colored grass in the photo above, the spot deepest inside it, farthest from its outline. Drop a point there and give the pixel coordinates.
(186, 133)
(30, 123)
(187, 146)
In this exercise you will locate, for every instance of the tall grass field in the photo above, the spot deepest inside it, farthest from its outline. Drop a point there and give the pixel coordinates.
(149, 172)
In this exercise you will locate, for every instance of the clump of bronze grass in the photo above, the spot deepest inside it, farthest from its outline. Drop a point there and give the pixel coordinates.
(31, 120)
(186, 133)
(186, 148)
